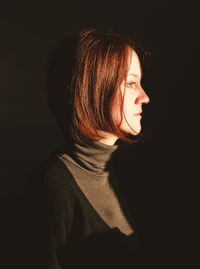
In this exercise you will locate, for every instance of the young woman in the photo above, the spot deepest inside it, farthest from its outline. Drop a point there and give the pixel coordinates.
(82, 218)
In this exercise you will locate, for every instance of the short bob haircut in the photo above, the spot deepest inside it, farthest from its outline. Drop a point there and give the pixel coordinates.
(99, 63)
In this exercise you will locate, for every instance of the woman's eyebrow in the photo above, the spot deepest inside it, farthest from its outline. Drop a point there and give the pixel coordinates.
(132, 74)
(135, 75)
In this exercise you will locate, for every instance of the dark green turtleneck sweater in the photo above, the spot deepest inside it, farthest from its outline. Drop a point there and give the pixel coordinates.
(80, 217)
(93, 173)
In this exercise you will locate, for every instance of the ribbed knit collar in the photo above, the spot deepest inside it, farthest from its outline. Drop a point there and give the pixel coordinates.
(94, 158)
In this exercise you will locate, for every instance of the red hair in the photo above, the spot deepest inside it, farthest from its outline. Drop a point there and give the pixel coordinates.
(101, 64)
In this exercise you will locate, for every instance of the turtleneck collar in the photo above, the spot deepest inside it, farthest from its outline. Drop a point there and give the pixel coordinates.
(94, 158)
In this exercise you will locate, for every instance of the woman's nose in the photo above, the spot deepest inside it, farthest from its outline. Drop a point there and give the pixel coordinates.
(146, 98)
(142, 98)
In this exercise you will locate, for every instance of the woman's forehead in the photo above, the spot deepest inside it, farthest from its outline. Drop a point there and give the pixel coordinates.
(135, 66)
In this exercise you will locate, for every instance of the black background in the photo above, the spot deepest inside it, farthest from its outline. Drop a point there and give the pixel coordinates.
(29, 134)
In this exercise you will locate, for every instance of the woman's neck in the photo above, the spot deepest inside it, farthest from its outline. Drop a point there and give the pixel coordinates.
(108, 138)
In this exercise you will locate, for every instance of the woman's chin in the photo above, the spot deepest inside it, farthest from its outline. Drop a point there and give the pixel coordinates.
(135, 130)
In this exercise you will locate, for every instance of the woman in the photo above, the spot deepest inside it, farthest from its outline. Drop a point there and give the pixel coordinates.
(82, 219)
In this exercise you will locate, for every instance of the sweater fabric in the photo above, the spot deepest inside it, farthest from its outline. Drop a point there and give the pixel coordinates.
(71, 225)
(92, 168)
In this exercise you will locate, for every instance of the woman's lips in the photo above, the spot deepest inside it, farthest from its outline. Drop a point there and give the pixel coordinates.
(138, 114)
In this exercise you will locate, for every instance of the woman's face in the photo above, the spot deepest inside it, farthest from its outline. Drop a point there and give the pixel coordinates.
(134, 97)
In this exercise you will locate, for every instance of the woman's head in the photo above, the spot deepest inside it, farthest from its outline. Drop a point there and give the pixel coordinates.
(100, 98)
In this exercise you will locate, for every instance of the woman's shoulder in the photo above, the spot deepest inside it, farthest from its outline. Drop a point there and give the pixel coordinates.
(49, 207)
(53, 168)
(51, 191)
(52, 180)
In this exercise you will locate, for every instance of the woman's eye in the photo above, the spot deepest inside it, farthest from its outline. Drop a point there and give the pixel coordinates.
(131, 84)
